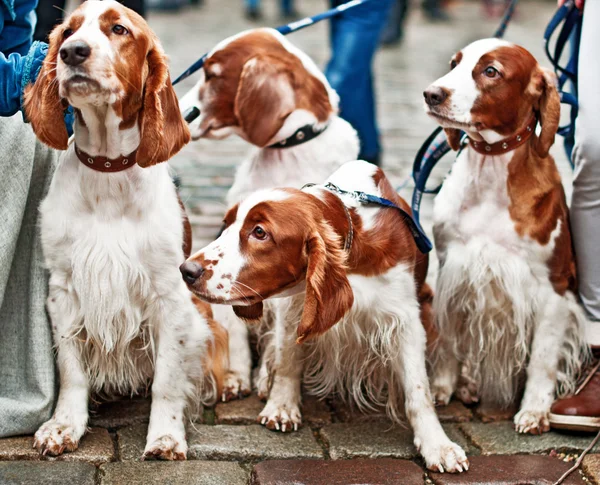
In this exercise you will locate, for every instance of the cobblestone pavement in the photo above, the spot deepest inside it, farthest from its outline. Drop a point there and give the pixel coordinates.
(335, 446)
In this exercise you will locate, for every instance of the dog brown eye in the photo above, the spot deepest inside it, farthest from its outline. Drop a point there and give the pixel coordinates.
(67, 33)
(259, 233)
(453, 64)
(491, 72)
(120, 30)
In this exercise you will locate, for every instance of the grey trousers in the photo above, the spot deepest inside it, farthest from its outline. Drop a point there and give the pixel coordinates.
(27, 372)
(585, 205)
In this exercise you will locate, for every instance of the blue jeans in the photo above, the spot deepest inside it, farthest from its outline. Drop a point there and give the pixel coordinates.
(355, 37)
(286, 5)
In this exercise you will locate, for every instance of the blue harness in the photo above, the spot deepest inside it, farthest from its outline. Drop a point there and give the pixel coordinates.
(421, 239)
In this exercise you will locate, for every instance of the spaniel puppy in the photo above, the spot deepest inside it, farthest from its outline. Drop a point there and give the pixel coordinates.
(113, 232)
(506, 303)
(347, 287)
(262, 88)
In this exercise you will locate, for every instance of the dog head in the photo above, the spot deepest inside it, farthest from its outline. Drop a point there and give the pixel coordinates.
(491, 92)
(253, 85)
(105, 55)
(276, 244)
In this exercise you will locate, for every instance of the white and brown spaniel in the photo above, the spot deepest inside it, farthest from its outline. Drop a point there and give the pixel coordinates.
(347, 287)
(113, 232)
(262, 88)
(506, 300)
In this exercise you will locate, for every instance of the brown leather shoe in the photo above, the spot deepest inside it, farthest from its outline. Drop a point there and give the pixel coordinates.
(580, 412)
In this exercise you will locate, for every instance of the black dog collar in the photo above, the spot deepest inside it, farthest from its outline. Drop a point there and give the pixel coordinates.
(301, 135)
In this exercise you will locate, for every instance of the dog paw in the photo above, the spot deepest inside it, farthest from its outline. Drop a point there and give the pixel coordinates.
(445, 457)
(166, 448)
(55, 438)
(532, 422)
(262, 387)
(235, 386)
(467, 391)
(284, 418)
(441, 394)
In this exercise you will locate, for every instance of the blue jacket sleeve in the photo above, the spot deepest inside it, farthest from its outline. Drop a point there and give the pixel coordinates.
(16, 72)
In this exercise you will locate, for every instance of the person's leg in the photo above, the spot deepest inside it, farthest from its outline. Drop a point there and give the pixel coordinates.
(394, 29)
(434, 10)
(355, 38)
(49, 13)
(287, 8)
(253, 9)
(582, 411)
(27, 369)
(585, 205)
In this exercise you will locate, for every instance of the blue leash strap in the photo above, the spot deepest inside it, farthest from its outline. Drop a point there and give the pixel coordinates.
(570, 17)
(284, 30)
(421, 239)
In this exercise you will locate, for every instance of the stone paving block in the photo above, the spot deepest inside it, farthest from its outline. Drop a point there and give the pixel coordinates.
(489, 414)
(315, 413)
(502, 439)
(591, 468)
(96, 447)
(254, 442)
(384, 471)
(28, 473)
(121, 413)
(131, 442)
(377, 439)
(510, 470)
(173, 473)
(454, 412)
(346, 413)
(229, 443)
(239, 411)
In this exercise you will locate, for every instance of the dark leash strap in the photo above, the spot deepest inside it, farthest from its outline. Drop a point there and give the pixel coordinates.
(284, 30)
(570, 17)
(421, 239)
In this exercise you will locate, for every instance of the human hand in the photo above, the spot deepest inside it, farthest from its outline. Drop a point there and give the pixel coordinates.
(578, 3)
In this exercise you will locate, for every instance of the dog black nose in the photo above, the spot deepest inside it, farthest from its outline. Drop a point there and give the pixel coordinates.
(74, 53)
(191, 271)
(435, 95)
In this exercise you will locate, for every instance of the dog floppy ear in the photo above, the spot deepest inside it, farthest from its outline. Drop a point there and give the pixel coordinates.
(43, 106)
(453, 136)
(163, 130)
(547, 108)
(249, 313)
(264, 99)
(328, 292)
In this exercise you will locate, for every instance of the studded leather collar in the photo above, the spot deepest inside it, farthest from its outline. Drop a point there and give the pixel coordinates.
(507, 144)
(301, 135)
(107, 165)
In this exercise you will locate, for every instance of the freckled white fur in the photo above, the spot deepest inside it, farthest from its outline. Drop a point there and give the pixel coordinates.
(496, 309)
(374, 357)
(223, 282)
(309, 162)
(122, 317)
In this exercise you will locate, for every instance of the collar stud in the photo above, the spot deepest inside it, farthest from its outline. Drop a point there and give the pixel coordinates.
(507, 144)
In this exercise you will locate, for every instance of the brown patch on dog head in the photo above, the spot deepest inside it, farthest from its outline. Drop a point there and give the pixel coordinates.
(254, 83)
